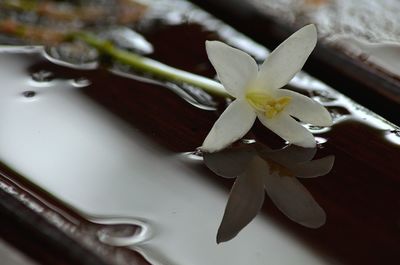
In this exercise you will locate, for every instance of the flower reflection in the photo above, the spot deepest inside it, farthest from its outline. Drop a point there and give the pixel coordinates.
(259, 168)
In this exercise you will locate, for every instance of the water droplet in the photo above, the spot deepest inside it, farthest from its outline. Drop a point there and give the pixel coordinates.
(317, 129)
(75, 55)
(320, 140)
(42, 76)
(81, 82)
(393, 136)
(196, 155)
(122, 234)
(127, 38)
(29, 94)
(195, 96)
(248, 141)
(396, 132)
(338, 113)
(323, 96)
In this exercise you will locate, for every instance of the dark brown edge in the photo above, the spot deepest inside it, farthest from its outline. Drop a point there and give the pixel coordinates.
(35, 236)
(368, 86)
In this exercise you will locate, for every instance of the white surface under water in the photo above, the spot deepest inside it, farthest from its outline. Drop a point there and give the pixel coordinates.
(76, 150)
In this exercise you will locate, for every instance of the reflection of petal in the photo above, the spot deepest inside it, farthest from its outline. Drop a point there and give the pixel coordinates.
(294, 200)
(245, 200)
(305, 109)
(288, 129)
(230, 162)
(314, 168)
(287, 59)
(235, 68)
(288, 155)
(232, 125)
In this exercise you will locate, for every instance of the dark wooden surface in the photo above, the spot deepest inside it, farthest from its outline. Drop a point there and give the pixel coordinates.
(360, 195)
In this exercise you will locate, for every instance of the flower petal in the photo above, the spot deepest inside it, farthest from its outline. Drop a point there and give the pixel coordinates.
(245, 201)
(314, 168)
(235, 122)
(287, 59)
(291, 154)
(305, 109)
(289, 129)
(234, 67)
(230, 162)
(295, 201)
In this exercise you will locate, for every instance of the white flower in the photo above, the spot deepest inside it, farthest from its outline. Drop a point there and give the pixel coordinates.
(258, 92)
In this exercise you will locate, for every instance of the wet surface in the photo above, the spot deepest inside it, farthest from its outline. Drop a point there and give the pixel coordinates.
(109, 158)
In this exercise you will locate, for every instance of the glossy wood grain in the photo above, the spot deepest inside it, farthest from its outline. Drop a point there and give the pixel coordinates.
(360, 195)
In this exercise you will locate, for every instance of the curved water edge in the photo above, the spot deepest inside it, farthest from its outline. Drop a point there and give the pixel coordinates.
(63, 137)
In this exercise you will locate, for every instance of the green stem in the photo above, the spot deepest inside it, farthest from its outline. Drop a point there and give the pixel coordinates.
(22, 5)
(147, 65)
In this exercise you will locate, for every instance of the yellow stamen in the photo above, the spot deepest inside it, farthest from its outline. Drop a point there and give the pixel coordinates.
(279, 169)
(266, 104)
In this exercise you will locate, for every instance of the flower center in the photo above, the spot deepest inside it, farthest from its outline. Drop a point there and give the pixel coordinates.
(279, 169)
(266, 104)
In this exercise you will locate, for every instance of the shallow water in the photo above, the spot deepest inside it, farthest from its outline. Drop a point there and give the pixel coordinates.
(97, 164)
(73, 137)
(110, 156)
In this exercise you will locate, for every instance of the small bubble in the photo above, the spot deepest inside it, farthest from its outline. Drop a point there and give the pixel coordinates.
(29, 94)
(43, 76)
